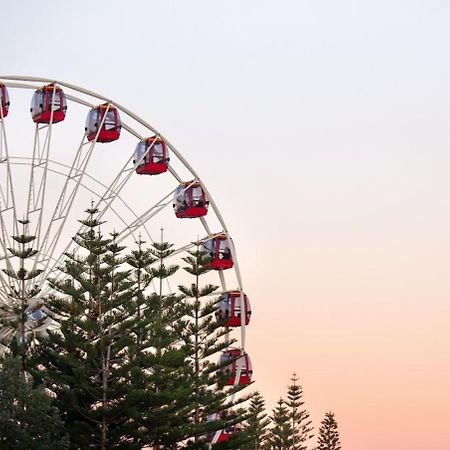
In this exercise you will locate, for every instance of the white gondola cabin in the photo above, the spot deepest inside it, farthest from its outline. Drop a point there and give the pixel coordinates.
(4, 101)
(48, 104)
(236, 359)
(103, 123)
(151, 156)
(229, 309)
(218, 248)
(190, 200)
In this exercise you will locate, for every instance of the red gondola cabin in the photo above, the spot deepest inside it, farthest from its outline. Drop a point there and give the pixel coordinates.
(218, 248)
(103, 123)
(4, 101)
(236, 360)
(190, 200)
(229, 309)
(214, 437)
(156, 159)
(48, 105)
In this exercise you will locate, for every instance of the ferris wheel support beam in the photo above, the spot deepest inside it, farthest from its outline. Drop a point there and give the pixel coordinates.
(43, 158)
(8, 199)
(63, 207)
(65, 202)
(139, 221)
(132, 228)
(113, 190)
(24, 161)
(36, 197)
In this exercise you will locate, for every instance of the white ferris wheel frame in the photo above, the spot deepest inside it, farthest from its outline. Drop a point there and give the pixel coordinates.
(41, 165)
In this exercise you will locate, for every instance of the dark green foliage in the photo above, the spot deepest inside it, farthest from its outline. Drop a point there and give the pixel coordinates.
(257, 423)
(131, 368)
(299, 417)
(280, 435)
(163, 376)
(203, 343)
(27, 418)
(328, 434)
(291, 426)
(87, 363)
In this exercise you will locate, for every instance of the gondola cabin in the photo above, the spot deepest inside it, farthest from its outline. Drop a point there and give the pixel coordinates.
(218, 248)
(225, 434)
(215, 437)
(48, 105)
(236, 361)
(190, 200)
(103, 123)
(4, 101)
(230, 309)
(151, 156)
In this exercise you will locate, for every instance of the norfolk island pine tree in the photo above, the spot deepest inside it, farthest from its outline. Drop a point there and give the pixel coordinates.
(137, 420)
(299, 418)
(328, 433)
(204, 339)
(85, 363)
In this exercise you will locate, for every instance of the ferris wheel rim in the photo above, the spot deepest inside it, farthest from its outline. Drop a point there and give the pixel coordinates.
(147, 125)
(14, 82)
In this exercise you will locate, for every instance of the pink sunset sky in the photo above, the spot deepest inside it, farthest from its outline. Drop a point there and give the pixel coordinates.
(323, 131)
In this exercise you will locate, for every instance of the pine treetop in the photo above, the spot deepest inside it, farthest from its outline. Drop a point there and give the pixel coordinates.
(328, 433)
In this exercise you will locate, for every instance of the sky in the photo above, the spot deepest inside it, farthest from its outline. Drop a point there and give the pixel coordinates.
(322, 129)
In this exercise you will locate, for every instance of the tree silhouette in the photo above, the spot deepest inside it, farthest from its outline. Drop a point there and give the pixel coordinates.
(328, 434)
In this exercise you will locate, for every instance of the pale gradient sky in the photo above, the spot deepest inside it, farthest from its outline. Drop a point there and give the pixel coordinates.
(322, 128)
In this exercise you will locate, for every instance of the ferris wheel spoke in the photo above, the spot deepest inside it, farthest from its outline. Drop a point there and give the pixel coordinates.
(113, 191)
(137, 224)
(110, 194)
(7, 192)
(38, 178)
(58, 168)
(64, 204)
(67, 197)
(141, 220)
(7, 206)
(222, 280)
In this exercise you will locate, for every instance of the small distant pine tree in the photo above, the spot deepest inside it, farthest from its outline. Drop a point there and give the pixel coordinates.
(256, 424)
(27, 418)
(280, 435)
(300, 423)
(329, 434)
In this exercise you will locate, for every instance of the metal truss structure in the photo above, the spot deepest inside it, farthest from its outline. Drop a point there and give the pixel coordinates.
(49, 211)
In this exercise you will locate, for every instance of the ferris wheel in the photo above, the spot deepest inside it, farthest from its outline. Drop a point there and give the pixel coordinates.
(79, 148)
